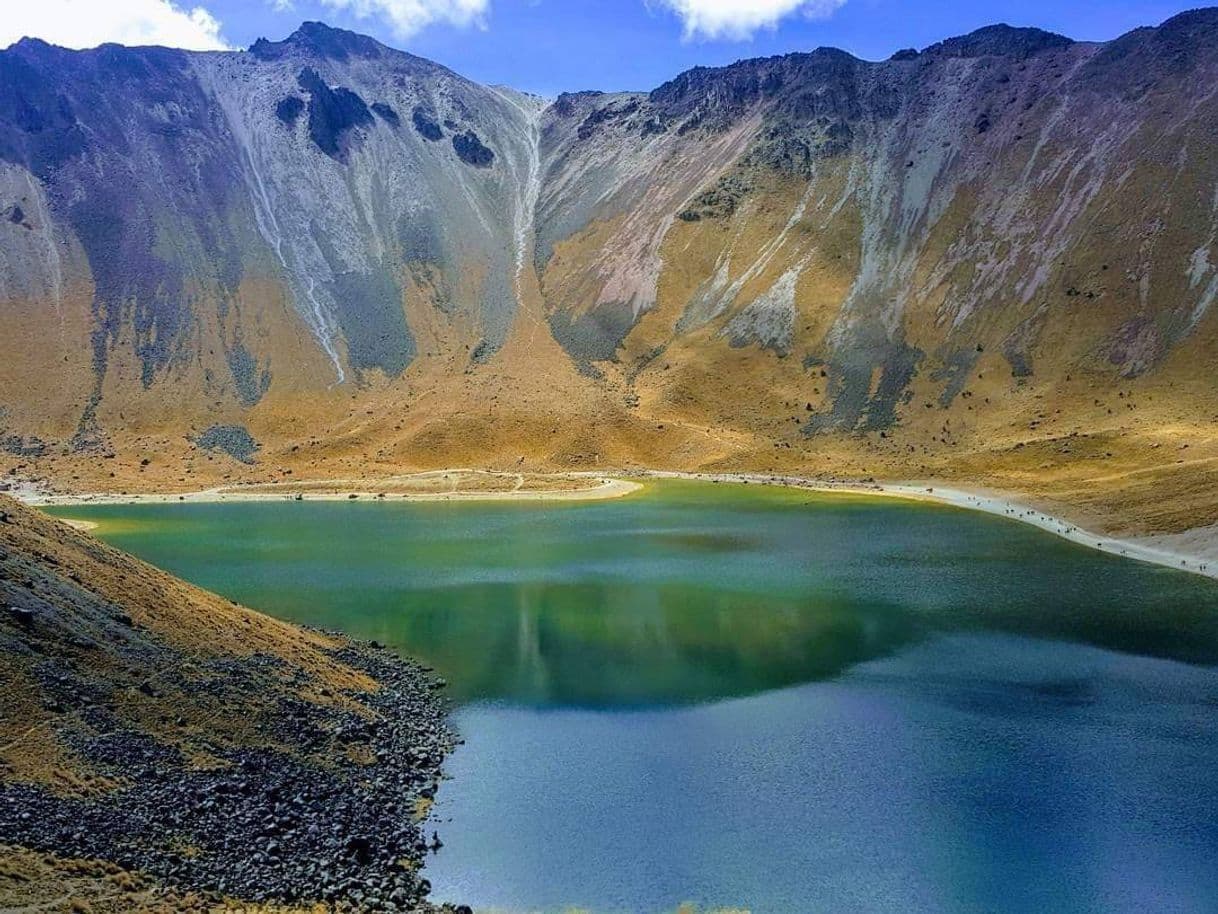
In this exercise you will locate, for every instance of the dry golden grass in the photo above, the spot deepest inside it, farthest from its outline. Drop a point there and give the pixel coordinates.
(34, 882)
(1135, 455)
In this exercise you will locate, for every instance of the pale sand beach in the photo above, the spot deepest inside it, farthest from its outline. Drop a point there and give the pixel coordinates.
(332, 490)
(1194, 551)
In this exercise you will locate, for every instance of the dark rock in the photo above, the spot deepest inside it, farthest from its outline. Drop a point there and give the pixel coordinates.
(289, 109)
(320, 40)
(234, 440)
(595, 335)
(19, 446)
(303, 824)
(470, 150)
(425, 123)
(333, 114)
(387, 114)
(611, 112)
(653, 126)
(1000, 41)
(568, 103)
(251, 378)
(21, 615)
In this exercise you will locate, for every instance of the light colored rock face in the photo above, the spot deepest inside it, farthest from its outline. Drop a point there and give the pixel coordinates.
(359, 181)
(316, 215)
(393, 211)
(35, 256)
(989, 193)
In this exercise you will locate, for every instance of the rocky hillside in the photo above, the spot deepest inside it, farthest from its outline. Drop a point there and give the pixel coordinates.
(995, 258)
(164, 749)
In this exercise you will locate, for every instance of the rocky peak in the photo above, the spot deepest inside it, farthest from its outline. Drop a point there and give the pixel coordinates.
(1181, 38)
(1144, 58)
(715, 96)
(1000, 40)
(30, 45)
(320, 40)
(568, 103)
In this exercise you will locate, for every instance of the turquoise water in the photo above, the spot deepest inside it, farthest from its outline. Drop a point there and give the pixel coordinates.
(765, 699)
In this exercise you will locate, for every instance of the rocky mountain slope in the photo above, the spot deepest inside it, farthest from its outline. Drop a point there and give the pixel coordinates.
(164, 749)
(993, 259)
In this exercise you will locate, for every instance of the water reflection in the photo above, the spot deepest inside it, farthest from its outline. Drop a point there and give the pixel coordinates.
(757, 699)
(688, 593)
(627, 645)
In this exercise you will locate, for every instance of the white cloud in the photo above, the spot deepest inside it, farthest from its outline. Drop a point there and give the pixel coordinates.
(405, 17)
(88, 23)
(739, 19)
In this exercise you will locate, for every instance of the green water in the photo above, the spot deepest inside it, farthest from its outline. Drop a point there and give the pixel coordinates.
(689, 592)
(743, 696)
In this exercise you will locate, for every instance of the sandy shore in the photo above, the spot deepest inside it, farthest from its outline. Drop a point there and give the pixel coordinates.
(335, 490)
(1195, 551)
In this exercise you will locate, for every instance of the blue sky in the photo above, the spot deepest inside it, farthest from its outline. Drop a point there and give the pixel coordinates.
(548, 46)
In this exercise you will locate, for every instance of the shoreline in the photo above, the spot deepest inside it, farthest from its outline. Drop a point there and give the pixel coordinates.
(998, 504)
(218, 721)
(1197, 559)
(609, 487)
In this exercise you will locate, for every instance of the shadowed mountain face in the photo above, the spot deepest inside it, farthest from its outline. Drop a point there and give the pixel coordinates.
(169, 181)
(203, 238)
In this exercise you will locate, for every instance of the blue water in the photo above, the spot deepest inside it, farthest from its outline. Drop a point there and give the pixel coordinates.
(971, 774)
(761, 700)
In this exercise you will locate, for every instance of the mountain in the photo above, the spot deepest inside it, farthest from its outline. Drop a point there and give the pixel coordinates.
(994, 259)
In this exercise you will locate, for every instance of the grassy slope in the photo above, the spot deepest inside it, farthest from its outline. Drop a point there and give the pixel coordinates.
(1138, 456)
(86, 630)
